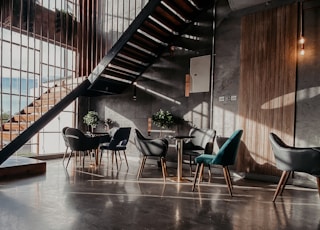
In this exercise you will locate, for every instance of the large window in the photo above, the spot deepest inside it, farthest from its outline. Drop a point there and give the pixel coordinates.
(35, 61)
(47, 47)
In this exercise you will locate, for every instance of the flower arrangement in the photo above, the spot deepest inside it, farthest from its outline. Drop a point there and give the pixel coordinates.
(163, 119)
(91, 119)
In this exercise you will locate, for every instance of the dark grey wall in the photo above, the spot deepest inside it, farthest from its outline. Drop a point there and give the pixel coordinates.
(161, 87)
(167, 77)
(308, 83)
(227, 72)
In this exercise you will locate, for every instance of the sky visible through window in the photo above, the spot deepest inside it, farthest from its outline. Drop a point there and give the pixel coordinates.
(25, 65)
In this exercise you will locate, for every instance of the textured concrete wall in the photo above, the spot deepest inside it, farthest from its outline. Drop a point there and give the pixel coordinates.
(162, 86)
(308, 83)
(226, 76)
(167, 77)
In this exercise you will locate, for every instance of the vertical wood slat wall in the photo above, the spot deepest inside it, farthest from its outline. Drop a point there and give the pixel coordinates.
(267, 85)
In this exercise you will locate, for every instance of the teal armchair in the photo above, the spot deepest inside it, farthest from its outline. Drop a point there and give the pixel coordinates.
(225, 156)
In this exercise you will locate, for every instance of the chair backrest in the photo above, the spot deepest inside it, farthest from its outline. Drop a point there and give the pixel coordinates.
(202, 137)
(290, 158)
(120, 137)
(78, 141)
(228, 151)
(140, 136)
(64, 136)
(151, 147)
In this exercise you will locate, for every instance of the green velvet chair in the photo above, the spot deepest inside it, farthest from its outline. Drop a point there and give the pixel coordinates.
(225, 156)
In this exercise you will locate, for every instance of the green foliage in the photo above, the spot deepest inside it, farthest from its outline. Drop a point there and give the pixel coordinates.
(163, 119)
(91, 119)
(5, 116)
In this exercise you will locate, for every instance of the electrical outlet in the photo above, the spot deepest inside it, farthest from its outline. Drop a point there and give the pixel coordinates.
(233, 98)
(221, 98)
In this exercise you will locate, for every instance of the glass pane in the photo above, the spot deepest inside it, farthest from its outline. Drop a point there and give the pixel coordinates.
(6, 54)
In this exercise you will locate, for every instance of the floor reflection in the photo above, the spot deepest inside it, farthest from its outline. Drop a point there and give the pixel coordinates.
(106, 198)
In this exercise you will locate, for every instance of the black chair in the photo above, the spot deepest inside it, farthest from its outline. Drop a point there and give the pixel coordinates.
(289, 159)
(151, 148)
(202, 143)
(117, 143)
(65, 142)
(79, 142)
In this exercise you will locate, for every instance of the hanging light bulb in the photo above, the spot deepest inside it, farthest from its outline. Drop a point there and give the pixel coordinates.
(301, 44)
(301, 40)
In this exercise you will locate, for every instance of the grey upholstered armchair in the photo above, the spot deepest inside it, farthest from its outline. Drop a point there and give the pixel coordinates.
(151, 148)
(79, 142)
(289, 159)
(202, 142)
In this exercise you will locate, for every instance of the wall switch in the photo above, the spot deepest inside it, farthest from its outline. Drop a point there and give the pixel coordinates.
(233, 98)
(221, 98)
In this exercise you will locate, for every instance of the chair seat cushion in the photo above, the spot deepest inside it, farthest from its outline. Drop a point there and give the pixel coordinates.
(121, 147)
(206, 159)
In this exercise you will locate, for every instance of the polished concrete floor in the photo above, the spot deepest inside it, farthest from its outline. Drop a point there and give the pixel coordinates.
(106, 198)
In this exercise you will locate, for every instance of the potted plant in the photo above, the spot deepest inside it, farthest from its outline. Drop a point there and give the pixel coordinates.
(163, 119)
(91, 119)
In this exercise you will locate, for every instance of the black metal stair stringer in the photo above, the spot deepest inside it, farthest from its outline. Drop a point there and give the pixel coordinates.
(143, 15)
(159, 23)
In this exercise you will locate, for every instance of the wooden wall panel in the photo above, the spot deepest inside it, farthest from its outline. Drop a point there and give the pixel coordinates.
(267, 85)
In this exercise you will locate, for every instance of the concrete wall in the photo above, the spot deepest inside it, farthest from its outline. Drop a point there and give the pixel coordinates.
(161, 87)
(308, 83)
(167, 77)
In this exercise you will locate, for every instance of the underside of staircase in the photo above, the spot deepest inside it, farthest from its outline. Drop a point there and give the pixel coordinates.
(152, 33)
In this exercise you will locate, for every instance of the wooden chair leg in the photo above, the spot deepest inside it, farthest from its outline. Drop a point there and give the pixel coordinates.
(201, 173)
(209, 174)
(165, 166)
(195, 177)
(285, 183)
(190, 164)
(125, 157)
(83, 158)
(229, 176)
(163, 169)
(227, 179)
(141, 167)
(115, 155)
(101, 153)
(280, 184)
(69, 159)
(64, 155)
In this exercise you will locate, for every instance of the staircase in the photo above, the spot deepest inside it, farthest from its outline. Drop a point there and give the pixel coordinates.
(21, 121)
(152, 33)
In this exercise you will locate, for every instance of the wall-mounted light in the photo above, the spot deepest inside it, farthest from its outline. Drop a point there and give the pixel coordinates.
(301, 40)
